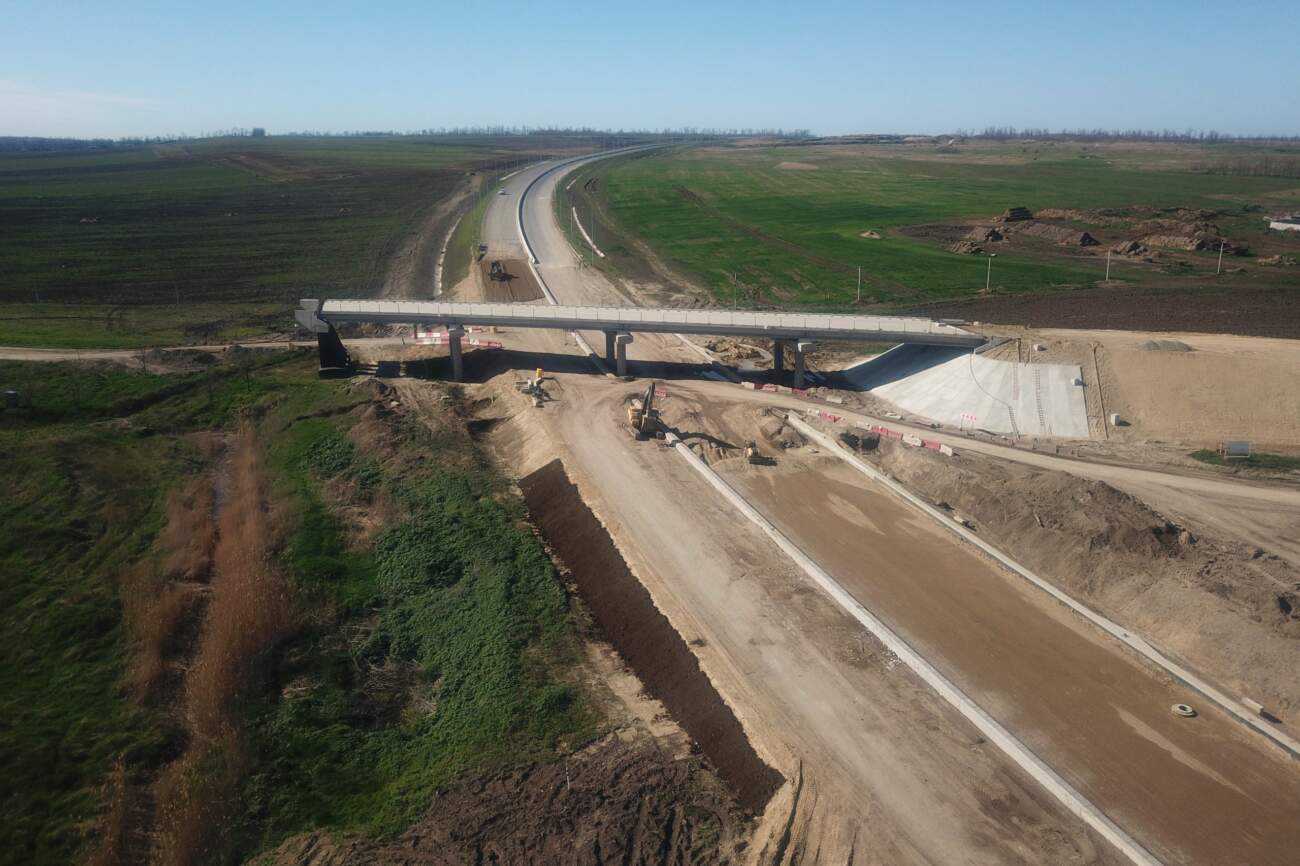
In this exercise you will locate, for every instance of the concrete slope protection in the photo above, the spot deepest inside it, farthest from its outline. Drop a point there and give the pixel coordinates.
(964, 390)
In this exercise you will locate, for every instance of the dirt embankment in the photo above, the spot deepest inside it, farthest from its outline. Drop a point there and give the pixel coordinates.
(653, 649)
(1229, 610)
(613, 803)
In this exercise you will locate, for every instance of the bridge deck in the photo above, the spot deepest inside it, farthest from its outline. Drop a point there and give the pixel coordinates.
(741, 323)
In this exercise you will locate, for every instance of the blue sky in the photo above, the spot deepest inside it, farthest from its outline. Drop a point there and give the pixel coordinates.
(119, 67)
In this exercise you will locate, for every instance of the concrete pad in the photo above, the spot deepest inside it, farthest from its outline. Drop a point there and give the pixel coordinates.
(958, 388)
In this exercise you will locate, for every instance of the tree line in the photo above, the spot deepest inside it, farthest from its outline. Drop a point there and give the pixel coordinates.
(1200, 136)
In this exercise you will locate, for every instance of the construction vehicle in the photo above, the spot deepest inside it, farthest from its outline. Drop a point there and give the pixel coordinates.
(482, 251)
(533, 388)
(497, 272)
(756, 457)
(642, 416)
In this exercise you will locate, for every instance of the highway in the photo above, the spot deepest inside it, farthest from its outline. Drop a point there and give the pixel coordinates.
(1201, 793)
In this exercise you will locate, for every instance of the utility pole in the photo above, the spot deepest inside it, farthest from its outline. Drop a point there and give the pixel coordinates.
(988, 277)
(1219, 269)
(859, 284)
(1108, 266)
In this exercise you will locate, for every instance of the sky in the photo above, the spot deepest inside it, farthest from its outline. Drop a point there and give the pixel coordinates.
(119, 68)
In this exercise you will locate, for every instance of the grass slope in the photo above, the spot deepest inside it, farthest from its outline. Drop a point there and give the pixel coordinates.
(796, 234)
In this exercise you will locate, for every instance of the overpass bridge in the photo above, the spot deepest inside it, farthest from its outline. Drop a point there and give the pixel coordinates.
(798, 331)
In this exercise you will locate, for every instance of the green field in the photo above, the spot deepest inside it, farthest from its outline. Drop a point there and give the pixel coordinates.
(248, 223)
(453, 596)
(741, 224)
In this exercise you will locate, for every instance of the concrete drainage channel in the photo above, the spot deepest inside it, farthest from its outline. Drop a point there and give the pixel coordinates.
(1235, 709)
(1057, 786)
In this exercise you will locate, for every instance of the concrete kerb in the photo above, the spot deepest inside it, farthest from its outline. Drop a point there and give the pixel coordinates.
(442, 256)
(1057, 786)
(1234, 708)
(577, 220)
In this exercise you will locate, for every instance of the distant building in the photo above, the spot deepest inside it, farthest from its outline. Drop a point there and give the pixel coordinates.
(1289, 223)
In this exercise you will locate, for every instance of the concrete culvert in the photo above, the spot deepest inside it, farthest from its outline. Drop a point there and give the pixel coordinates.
(1184, 710)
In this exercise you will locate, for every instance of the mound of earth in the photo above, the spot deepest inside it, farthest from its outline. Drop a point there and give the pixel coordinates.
(1165, 346)
(1225, 607)
(1062, 235)
(614, 803)
(966, 248)
(871, 234)
(985, 234)
(1130, 248)
(779, 434)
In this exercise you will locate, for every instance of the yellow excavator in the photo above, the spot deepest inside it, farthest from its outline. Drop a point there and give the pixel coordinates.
(642, 416)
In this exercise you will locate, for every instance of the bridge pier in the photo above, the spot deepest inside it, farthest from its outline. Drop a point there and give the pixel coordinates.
(609, 347)
(620, 341)
(800, 347)
(334, 357)
(454, 333)
(778, 358)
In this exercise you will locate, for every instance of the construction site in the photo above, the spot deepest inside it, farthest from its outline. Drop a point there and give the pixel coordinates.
(927, 603)
(549, 562)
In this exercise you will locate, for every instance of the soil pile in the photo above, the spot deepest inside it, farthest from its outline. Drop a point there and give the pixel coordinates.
(779, 434)
(985, 234)
(1063, 235)
(1165, 346)
(613, 803)
(643, 636)
(1228, 609)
